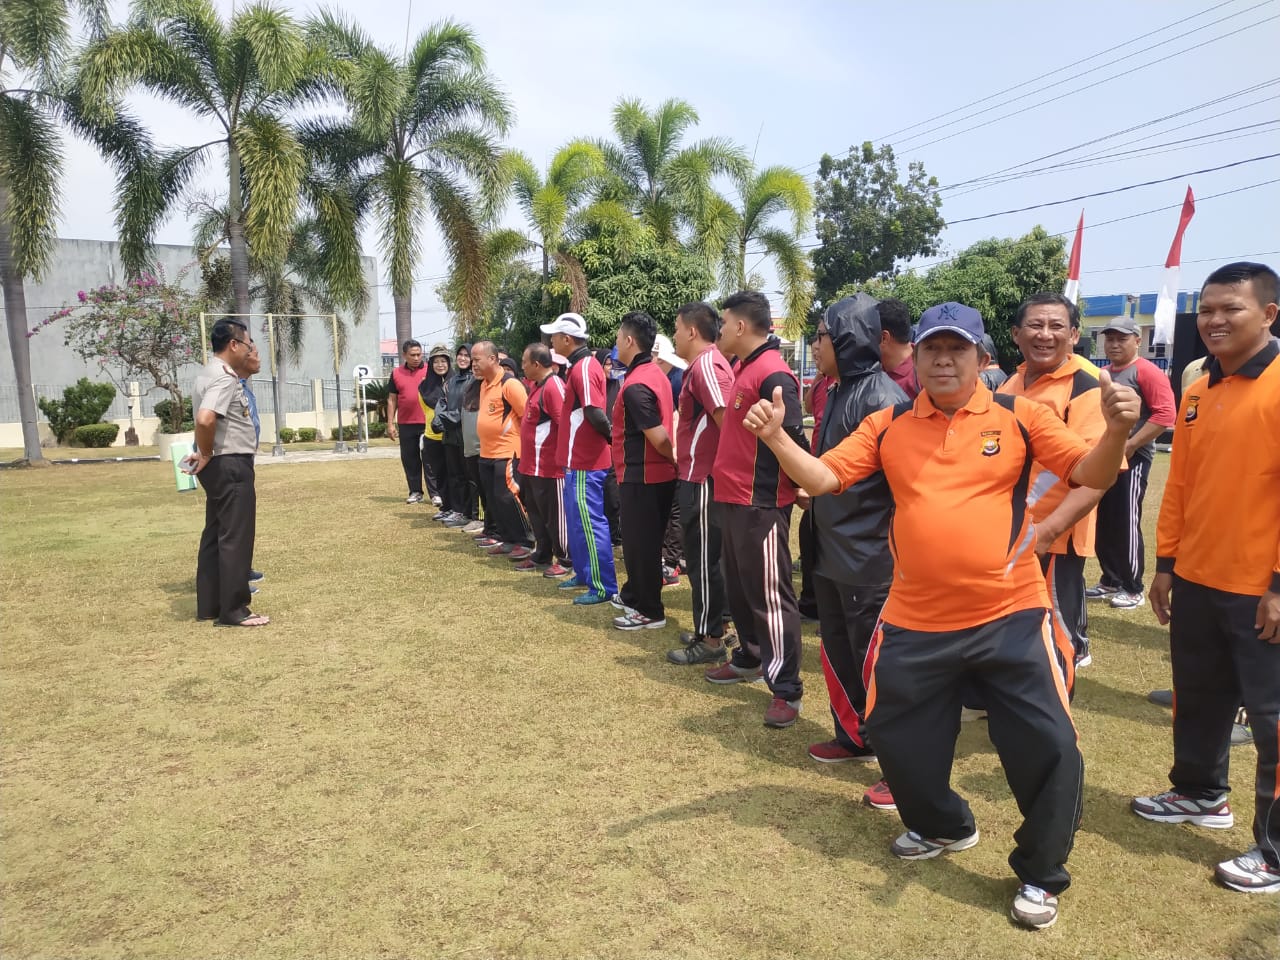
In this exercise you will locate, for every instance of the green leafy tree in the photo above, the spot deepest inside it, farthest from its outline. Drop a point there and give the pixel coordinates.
(82, 403)
(653, 278)
(36, 97)
(508, 280)
(868, 219)
(993, 276)
(764, 195)
(668, 185)
(419, 142)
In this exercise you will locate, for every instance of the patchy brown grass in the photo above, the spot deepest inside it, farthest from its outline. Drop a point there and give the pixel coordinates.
(427, 755)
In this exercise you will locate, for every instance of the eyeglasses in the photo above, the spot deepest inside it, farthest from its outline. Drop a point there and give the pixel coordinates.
(819, 335)
(249, 345)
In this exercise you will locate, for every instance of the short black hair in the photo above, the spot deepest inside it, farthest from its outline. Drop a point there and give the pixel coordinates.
(539, 353)
(409, 345)
(752, 305)
(1263, 278)
(642, 327)
(895, 319)
(224, 331)
(703, 317)
(1046, 297)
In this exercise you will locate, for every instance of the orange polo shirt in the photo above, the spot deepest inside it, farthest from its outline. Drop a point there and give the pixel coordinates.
(1073, 393)
(962, 538)
(502, 402)
(1219, 521)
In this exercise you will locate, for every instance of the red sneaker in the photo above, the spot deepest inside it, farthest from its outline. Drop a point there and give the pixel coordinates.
(833, 751)
(728, 673)
(500, 549)
(880, 797)
(782, 713)
(553, 571)
(520, 553)
(526, 565)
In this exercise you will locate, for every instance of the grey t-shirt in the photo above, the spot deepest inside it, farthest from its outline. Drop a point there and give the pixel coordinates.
(219, 389)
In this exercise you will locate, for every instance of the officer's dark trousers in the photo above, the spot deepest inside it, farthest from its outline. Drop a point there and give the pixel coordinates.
(913, 717)
(226, 545)
(1218, 662)
(848, 616)
(644, 508)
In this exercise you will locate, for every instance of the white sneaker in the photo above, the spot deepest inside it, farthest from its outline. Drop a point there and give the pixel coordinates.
(1034, 908)
(413, 498)
(912, 846)
(1127, 601)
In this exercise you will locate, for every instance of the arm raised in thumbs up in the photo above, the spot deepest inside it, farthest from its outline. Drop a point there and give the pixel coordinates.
(1121, 405)
(765, 417)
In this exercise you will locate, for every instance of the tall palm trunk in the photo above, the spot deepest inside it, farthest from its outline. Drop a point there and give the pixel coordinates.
(15, 312)
(239, 256)
(404, 317)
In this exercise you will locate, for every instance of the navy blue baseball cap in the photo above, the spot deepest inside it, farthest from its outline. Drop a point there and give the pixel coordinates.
(951, 318)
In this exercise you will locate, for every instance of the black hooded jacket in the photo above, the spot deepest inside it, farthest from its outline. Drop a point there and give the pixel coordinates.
(852, 542)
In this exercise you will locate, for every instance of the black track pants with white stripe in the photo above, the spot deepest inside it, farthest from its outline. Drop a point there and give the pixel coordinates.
(1121, 552)
(757, 569)
(700, 522)
(543, 499)
(915, 683)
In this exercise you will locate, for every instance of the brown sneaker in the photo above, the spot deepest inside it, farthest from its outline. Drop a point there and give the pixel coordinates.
(782, 713)
(728, 673)
(697, 650)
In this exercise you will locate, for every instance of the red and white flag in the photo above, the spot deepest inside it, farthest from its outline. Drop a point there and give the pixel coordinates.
(1072, 290)
(1167, 301)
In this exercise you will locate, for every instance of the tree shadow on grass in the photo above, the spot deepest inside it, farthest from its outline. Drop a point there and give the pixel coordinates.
(182, 598)
(1093, 696)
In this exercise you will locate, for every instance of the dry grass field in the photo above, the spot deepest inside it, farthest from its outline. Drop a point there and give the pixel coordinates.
(428, 755)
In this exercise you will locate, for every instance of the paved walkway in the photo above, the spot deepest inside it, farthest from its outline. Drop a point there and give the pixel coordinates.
(328, 456)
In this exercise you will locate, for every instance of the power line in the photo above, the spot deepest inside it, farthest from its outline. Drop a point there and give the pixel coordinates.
(1087, 86)
(1228, 258)
(1138, 126)
(1069, 66)
(1105, 193)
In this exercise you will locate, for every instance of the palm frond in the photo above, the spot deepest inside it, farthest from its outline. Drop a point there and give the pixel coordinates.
(273, 168)
(271, 41)
(795, 275)
(400, 202)
(455, 214)
(775, 190)
(30, 172)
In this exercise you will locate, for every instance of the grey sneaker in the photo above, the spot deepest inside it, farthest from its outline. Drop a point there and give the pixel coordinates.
(1174, 807)
(1101, 592)
(1034, 908)
(634, 620)
(1249, 873)
(413, 498)
(912, 846)
(698, 651)
(1127, 601)
(1241, 735)
(475, 526)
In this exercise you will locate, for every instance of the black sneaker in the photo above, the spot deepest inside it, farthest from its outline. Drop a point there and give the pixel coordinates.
(698, 650)
(256, 576)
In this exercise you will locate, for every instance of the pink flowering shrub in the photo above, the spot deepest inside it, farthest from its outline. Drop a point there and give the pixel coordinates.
(145, 328)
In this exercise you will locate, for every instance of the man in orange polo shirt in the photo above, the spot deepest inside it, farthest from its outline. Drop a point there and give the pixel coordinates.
(968, 605)
(1217, 580)
(1046, 329)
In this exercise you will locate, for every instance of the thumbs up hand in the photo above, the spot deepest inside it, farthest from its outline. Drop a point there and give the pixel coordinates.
(765, 417)
(1121, 405)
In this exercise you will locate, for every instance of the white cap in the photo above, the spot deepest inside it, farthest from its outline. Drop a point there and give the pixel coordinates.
(664, 350)
(570, 323)
(557, 359)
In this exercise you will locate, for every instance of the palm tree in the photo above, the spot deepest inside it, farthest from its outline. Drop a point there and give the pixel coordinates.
(418, 140)
(35, 44)
(764, 195)
(667, 185)
(559, 208)
(240, 75)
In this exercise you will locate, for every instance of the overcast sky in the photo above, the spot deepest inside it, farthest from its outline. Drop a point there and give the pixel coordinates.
(792, 80)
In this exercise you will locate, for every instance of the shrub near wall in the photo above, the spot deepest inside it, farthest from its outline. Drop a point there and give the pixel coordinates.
(288, 434)
(96, 434)
(307, 434)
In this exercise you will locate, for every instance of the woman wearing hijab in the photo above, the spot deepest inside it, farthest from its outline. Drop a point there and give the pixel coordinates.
(460, 499)
(432, 393)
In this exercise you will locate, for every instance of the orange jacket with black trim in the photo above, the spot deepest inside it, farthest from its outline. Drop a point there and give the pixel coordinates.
(962, 536)
(1073, 393)
(1219, 521)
